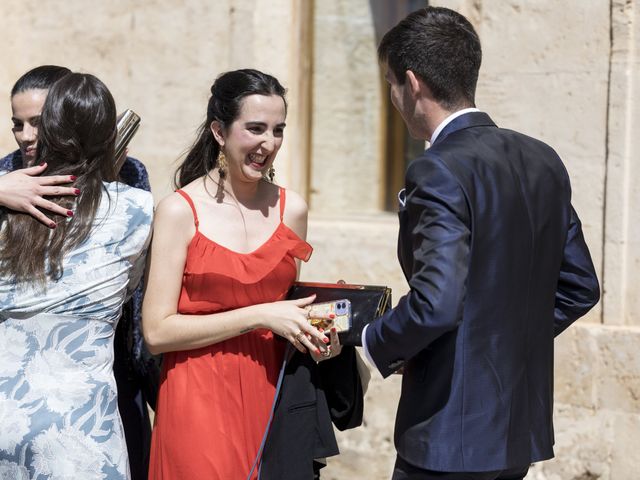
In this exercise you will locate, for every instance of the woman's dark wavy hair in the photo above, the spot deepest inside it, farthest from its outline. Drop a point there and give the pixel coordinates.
(39, 78)
(76, 137)
(227, 93)
(442, 48)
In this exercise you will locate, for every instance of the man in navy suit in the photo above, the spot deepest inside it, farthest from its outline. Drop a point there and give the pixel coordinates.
(496, 263)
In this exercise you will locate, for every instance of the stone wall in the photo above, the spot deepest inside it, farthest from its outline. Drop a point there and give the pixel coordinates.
(159, 58)
(346, 165)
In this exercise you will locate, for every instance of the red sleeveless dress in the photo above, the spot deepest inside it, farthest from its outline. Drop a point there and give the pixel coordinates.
(214, 402)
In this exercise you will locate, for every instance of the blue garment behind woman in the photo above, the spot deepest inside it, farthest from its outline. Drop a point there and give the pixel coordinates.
(137, 372)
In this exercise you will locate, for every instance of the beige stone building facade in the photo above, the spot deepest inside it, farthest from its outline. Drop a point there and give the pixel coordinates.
(565, 72)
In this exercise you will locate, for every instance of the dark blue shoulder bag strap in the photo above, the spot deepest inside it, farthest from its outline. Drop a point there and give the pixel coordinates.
(258, 461)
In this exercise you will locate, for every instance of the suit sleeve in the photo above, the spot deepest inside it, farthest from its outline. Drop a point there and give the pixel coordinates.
(437, 223)
(578, 290)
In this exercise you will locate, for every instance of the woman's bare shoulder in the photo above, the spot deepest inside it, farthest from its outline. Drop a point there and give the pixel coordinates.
(295, 207)
(175, 208)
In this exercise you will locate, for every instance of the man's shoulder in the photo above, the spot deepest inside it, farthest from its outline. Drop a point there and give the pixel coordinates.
(496, 142)
(526, 139)
(487, 151)
(534, 148)
(432, 158)
(430, 168)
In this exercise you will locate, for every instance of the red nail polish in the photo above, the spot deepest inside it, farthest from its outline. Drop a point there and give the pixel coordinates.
(42, 164)
(77, 191)
(321, 330)
(69, 213)
(325, 340)
(333, 330)
(73, 177)
(332, 316)
(52, 225)
(317, 351)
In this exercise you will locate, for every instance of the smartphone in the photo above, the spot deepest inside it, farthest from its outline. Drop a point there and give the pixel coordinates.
(340, 308)
(127, 126)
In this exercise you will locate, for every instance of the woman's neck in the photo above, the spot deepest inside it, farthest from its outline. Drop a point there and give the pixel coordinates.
(243, 192)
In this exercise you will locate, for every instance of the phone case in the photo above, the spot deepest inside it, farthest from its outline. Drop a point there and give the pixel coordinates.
(340, 308)
(368, 302)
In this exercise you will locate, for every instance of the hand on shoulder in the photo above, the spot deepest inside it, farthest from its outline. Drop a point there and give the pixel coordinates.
(24, 190)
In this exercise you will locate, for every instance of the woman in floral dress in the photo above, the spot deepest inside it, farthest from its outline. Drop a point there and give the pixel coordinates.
(61, 292)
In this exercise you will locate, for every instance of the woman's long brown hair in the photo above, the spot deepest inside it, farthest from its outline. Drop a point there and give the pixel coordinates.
(76, 137)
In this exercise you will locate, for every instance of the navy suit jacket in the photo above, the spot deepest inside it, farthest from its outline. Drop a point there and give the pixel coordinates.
(497, 266)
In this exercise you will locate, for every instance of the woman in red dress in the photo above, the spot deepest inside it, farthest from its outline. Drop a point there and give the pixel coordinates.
(226, 248)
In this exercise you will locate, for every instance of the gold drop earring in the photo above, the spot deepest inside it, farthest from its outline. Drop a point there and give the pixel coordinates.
(222, 165)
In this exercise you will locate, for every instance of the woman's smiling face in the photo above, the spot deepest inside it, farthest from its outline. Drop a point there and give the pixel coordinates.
(252, 141)
(26, 107)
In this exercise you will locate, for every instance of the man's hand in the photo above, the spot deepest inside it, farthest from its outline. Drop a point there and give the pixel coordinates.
(23, 190)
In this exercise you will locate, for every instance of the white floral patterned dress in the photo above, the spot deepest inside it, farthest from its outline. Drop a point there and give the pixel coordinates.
(58, 404)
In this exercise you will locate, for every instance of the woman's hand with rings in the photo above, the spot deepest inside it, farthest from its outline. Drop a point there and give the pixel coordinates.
(290, 319)
(314, 341)
(333, 349)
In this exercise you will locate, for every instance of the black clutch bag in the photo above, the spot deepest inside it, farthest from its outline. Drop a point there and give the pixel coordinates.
(368, 302)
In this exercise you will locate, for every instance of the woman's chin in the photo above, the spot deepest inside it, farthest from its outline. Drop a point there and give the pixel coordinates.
(253, 174)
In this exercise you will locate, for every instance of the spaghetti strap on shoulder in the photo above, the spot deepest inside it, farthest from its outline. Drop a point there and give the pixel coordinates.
(193, 207)
(282, 202)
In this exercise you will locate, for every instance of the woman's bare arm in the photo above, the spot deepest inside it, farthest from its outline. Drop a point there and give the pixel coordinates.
(166, 330)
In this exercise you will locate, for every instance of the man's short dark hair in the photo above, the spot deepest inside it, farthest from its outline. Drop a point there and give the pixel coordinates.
(441, 48)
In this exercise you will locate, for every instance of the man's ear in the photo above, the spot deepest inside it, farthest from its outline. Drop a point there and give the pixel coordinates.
(417, 87)
(216, 129)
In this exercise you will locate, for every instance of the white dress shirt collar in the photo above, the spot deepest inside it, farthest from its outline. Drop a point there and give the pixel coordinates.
(448, 120)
